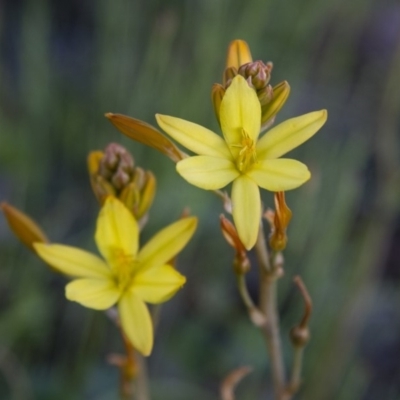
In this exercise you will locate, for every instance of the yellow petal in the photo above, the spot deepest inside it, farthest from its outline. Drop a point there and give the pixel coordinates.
(24, 227)
(73, 261)
(156, 285)
(194, 137)
(146, 134)
(280, 174)
(167, 243)
(136, 322)
(238, 54)
(290, 134)
(207, 172)
(98, 294)
(117, 229)
(246, 204)
(240, 111)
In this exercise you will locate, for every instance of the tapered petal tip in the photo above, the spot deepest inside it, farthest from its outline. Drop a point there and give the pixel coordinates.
(323, 116)
(248, 239)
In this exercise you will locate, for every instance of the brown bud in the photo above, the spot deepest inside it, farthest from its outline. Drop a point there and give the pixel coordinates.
(113, 172)
(24, 227)
(265, 95)
(116, 166)
(146, 134)
(282, 217)
(259, 74)
(229, 74)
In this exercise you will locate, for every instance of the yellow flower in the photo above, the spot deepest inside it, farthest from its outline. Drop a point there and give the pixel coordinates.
(129, 277)
(241, 157)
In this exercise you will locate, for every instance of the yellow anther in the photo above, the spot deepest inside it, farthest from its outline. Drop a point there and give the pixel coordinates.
(247, 154)
(123, 268)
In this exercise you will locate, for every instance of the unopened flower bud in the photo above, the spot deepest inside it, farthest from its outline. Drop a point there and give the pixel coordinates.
(146, 134)
(265, 95)
(114, 173)
(238, 54)
(229, 74)
(24, 227)
(116, 166)
(278, 241)
(280, 93)
(258, 72)
(282, 217)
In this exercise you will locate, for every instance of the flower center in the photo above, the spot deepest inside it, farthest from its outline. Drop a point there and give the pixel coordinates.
(247, 153)
(123, 267)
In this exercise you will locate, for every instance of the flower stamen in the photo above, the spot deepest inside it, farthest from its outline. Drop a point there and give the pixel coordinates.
(247, 154)
(123, 268)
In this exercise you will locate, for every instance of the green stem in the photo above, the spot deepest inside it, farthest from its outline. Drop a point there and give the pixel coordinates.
(268, 305)
(295, 378)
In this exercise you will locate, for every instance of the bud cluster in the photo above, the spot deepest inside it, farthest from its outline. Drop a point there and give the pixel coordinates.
(113, 172)
(116, 167)
(257, 74)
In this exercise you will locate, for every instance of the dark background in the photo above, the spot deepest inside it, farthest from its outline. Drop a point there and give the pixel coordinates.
(63, 64)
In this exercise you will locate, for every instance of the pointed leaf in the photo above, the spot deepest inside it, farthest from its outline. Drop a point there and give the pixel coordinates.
(238, 54)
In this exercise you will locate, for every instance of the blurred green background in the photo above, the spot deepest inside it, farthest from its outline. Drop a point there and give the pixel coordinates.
(65, 63)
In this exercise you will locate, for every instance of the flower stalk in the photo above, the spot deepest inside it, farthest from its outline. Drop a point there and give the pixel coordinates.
(269, 275)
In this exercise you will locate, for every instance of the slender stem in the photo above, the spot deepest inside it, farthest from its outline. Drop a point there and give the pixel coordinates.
(142, 379)
(262, 251)
(255, 314)
(271, 333)
(299, 336)
(295, 378)
(268, 305)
